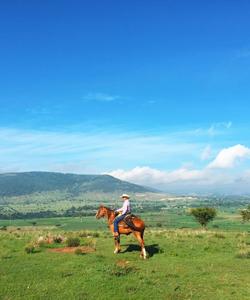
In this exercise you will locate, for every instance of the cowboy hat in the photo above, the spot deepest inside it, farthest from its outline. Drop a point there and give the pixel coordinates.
(124, 196)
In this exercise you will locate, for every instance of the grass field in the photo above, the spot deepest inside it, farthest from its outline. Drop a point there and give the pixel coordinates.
(187, 263)
(164, 219)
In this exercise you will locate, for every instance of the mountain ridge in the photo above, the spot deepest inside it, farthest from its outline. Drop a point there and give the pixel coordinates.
(25, 183)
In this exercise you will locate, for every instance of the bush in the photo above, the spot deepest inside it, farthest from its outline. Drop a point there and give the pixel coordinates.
(3, 227)
(203, 215)
(96, 234)
(245, 214)
(83, 234)
(73, 242)
(57, 239)
(158, 224)
(30, 248)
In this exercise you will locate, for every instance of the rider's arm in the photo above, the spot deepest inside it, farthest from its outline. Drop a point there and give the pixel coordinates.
(119, 209)
(123, 209)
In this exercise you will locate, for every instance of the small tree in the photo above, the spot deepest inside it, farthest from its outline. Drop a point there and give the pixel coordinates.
(245, 214)
(203, 215)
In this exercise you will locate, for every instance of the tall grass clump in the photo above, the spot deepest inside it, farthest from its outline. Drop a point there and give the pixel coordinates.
(243, 253)
(73, 242)
(29, 248)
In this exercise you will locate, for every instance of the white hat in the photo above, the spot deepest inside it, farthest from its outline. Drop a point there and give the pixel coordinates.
(125, 196)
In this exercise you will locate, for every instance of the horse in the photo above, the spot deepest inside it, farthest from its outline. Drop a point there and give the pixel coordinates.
(137, 230)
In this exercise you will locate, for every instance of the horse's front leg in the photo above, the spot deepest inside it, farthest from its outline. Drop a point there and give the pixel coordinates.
(117, 245)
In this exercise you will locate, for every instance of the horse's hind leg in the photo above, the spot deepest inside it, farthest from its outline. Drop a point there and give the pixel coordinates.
(143, 247)
(139, 236)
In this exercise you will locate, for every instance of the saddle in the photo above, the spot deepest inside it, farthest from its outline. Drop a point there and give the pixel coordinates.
(128, 220)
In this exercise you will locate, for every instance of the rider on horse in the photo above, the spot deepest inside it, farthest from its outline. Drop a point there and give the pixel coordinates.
(123, 211)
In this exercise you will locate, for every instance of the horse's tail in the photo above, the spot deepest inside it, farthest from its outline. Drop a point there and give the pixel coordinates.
(142, 233)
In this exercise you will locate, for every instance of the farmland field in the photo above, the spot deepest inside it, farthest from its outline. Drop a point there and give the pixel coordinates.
(185, 262)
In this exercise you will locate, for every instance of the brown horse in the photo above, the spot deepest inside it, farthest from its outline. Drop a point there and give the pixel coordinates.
(137, 230)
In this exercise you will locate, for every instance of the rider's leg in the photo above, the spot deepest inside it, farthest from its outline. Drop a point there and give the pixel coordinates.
(116, 221)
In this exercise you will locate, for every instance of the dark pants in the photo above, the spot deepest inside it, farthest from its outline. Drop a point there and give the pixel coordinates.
(117, 220)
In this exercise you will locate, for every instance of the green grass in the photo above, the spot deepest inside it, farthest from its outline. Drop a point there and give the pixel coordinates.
(167, 219)
(187, 263)
(184, 264)
(65, 223)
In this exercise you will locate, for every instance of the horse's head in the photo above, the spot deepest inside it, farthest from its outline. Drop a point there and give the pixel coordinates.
(102, 212)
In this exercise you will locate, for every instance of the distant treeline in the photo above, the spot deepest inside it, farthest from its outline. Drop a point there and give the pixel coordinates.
(87, 210)
(82, 211)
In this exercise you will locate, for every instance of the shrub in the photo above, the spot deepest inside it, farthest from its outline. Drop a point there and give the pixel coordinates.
(73, 242)
(57, 239)
(30, 248)
(83, 234)
(203, 215)
(245, 214)
(96, 234)
(158, 224)
(3, 227)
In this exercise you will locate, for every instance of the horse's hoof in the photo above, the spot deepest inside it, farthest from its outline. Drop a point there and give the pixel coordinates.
(116, 251)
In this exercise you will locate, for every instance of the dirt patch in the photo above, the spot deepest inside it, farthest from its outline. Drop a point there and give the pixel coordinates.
(122, 263)
(84, 249)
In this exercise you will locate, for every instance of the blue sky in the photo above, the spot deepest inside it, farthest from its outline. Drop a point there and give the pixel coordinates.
(101, 86)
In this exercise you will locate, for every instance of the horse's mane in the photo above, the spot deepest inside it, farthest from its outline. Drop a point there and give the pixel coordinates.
(108, 208)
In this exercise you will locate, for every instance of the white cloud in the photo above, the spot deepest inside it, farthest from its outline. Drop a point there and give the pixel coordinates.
(156, 155)
(184, 180)
(217, 128)
(153, 177)
(228, 157)
(102, 97)
(213, 177)
(206, 153)
(102, 150)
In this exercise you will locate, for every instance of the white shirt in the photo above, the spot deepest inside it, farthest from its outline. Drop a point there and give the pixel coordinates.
(125, 207)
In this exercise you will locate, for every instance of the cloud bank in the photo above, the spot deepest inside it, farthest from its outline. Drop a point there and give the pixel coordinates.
(178, 161)
(227, 158)
(213, 177)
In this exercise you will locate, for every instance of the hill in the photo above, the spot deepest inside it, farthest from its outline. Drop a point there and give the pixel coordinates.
(25, 183)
